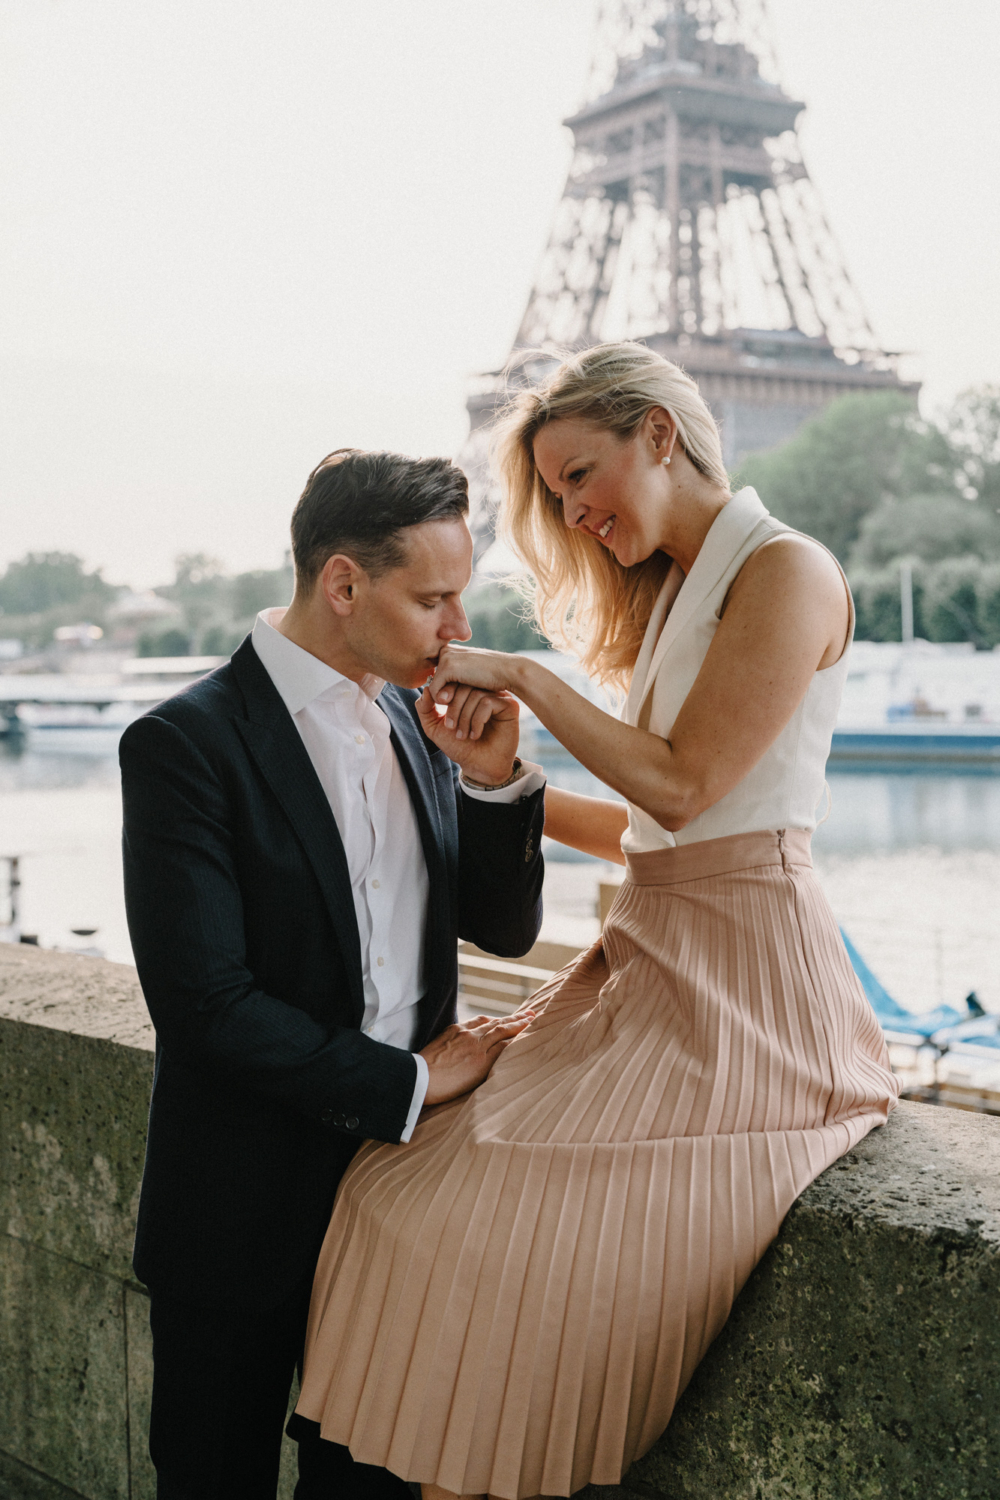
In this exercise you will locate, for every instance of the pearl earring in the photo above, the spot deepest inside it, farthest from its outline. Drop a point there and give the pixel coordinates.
(665, 460)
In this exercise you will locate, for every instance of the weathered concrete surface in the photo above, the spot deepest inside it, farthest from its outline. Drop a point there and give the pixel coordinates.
(63, 992)
(863, 1358)
(76, 1365)
(75, 1071)
(861, 1361)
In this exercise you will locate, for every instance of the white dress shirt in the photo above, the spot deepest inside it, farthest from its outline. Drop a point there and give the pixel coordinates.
(347, 737)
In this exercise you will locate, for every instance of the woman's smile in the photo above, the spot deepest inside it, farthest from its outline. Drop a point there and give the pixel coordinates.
(602, 531)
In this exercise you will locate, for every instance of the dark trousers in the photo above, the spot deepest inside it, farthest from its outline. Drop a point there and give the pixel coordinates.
(221, 1379)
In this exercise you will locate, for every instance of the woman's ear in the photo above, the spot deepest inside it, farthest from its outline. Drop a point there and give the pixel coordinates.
(661, 431)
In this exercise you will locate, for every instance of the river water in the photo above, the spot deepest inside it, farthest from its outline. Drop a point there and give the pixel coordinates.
(910, 862)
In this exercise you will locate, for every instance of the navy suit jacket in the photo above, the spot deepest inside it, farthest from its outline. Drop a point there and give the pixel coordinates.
(243, 928)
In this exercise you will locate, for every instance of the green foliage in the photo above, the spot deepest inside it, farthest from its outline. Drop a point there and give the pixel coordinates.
(203, 592)
(221, 640)
(956, 599)
(258, 590)
(951, 601)
(973, 430)
(988, 603)
(44, 580)
(877, 604)
(929, 527)
(170, 642)
(845, 461)
(496, 618)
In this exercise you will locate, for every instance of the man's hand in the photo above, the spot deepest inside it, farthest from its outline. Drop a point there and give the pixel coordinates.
(461, 1057)
(480, 734)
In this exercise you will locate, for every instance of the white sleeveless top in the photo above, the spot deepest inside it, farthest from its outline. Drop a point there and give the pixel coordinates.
(786, 786)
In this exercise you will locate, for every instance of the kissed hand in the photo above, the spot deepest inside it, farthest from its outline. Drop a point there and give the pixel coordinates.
(490, 671)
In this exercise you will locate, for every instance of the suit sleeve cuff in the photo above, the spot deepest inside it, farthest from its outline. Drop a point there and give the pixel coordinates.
(419, 1095)
(531, 778)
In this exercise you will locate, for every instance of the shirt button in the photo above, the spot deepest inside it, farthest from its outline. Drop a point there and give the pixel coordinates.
(359, 739)
(380, 962)
(375, 885)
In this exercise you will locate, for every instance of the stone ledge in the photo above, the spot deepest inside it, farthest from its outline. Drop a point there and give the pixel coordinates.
(861, 1362)
(87, 996)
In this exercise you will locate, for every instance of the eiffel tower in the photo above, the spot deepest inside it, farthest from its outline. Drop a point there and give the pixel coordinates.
(689, 221)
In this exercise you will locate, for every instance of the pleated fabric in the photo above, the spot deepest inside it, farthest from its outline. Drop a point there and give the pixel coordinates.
(513, 1302)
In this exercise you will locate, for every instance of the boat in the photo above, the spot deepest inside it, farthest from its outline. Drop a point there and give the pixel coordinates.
(918, 740)
(942, 1056)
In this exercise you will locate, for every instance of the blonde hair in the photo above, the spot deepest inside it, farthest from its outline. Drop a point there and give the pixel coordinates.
(583, 599)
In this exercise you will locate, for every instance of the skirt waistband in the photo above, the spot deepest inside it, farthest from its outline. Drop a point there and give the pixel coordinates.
(725, 856)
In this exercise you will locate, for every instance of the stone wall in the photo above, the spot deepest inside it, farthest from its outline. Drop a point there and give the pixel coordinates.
(862, 1360)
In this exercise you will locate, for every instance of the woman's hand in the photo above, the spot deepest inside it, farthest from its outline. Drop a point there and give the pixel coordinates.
(463, 667)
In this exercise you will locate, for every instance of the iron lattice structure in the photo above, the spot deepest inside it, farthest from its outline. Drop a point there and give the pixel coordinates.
(689, 221)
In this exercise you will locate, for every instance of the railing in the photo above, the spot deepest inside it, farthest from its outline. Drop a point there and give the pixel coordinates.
(496, 986)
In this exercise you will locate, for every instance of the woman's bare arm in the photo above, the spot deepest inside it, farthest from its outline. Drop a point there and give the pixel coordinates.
(786, 617)
(592, 824)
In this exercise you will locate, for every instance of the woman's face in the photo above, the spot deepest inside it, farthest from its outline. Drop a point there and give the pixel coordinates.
(617, 492)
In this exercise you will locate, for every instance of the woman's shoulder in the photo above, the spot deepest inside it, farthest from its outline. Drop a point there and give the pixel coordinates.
(791, 578)
(796, 559)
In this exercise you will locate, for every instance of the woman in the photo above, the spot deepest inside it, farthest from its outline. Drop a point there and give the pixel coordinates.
(511, 1304)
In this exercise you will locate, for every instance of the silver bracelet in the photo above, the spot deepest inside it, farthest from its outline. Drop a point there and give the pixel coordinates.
(498, 786)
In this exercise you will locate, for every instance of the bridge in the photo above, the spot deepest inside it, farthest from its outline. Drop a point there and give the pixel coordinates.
(142, 681)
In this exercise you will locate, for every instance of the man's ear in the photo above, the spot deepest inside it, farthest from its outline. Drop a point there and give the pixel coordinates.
(340, 581)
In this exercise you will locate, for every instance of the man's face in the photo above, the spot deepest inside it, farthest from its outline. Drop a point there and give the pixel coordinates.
(402, 619)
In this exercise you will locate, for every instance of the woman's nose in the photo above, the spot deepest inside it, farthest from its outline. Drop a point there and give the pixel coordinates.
(573, 513)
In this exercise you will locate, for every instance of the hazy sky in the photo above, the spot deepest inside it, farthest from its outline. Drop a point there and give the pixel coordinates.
(238, 235)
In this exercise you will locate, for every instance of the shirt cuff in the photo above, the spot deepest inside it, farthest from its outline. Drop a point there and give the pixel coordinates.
(419, 1095)
(531, 778)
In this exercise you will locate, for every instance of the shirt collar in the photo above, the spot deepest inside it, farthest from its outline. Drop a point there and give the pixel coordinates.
(300, 677)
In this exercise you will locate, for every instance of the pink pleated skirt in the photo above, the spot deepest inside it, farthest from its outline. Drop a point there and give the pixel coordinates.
(513, 1302)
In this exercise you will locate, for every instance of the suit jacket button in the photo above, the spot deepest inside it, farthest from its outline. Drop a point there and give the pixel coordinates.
(340, 1122)
(326, 1116)
(352, 1122)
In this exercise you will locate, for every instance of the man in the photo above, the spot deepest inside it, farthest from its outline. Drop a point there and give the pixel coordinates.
(300, 857)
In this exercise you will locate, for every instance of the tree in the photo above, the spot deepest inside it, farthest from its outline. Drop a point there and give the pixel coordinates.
(841, 464)
(202, 590)
(929, 527)
(260, 589)
(43, 580)
(496, 619)
(973, 430)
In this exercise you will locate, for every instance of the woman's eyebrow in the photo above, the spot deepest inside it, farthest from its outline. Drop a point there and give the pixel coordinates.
(562, 471)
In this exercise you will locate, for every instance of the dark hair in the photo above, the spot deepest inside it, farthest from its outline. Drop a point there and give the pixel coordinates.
(361, 503)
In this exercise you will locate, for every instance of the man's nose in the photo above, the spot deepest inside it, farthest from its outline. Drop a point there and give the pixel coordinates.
(458, 628)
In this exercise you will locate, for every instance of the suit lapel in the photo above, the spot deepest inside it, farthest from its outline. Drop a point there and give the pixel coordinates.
(276, 747)
(425, 789)
(411, 752)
